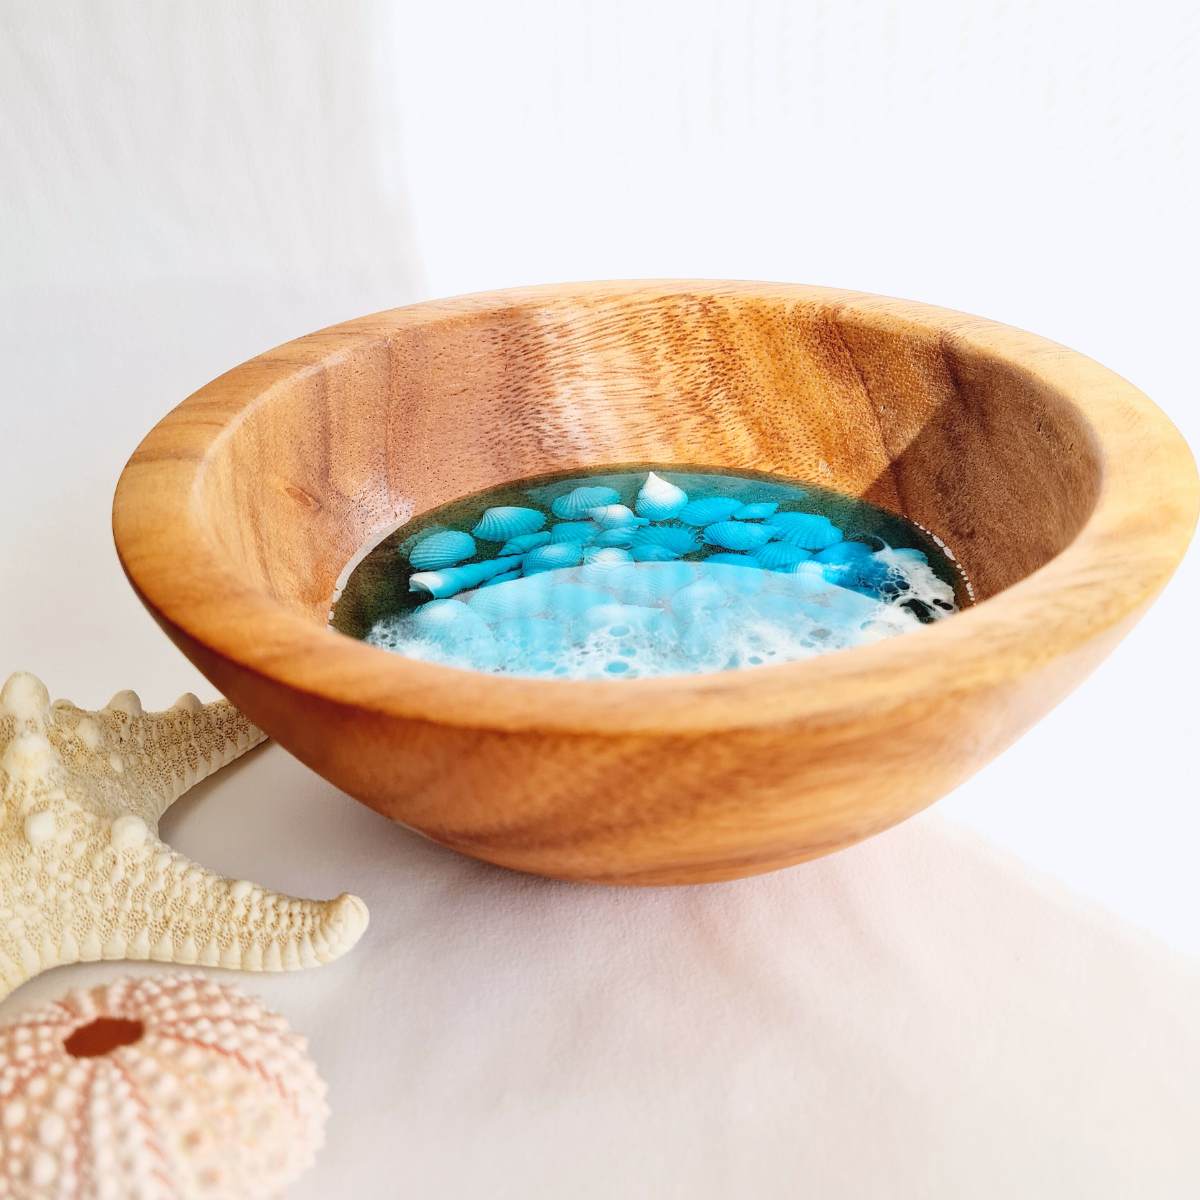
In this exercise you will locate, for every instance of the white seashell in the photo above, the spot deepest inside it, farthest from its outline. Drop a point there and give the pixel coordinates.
(453, 580)
(553, 557)
(808, 530)
(579, 501)
(441, 550)
(737, 535)
(106, 1115)
(754, 512)
(523, 543)
(659, 499)
(779, 556)
(708, 510)
(518, 597)
(599, 562)
(573, 531)
(615, 516)
(674, 537)
(500, 524)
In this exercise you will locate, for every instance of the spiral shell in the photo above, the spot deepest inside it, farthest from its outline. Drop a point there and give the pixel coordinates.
(523, 543)
(778, 556)
(500, 524)
(659, 499)
(452, 580)
(553, 557)
(708, 510)
(807, 530)
(615, 516)
(442, 549)
(579, 501)
(755, 512)
(737, 535)
(155, 1088)
(573, 531)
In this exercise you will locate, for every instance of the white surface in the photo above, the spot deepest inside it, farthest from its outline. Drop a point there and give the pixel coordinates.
(922, 1016)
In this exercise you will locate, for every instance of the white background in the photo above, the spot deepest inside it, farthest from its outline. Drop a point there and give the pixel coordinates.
(1005, 1010)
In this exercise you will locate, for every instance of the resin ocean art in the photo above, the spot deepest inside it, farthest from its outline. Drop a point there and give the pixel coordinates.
(630, 573)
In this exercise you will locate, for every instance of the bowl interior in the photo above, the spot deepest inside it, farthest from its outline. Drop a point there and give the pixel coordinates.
(979, 451)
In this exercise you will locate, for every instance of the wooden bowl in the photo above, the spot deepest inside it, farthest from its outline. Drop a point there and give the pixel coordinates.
(1067, 495)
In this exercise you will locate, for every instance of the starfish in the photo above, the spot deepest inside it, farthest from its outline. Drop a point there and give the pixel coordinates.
(83, 873)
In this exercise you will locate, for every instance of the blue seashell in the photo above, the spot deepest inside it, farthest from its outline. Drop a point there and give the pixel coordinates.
(653, 553)
(451, 580)
(553, 557)
(446, 620)
(708, 510)
(698, 597)
(500, 524)
(622, 536)
(755, 512)
(731, 560)
(523, 543)
(673, 537)
(737, 535)
(807, 530)
(441, 550)
(572, 600)
(573, 531)
(843, 552)
(659, 499)
(778, 556)
(648, 583)
(514, 597)
(577, 503)
(507, 577)
(615, 516)
(619, 620)
(600, 561)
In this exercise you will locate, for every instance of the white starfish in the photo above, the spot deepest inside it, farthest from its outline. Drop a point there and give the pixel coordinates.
(83, 874)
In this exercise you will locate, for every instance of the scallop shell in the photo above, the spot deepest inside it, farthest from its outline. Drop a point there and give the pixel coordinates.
(552, 557)
(653, 553)
(579, 502)
(572, 600)
(599, 562)
(708, 510)
(737, 535)
(755, 512)
(445, 620)
(441, 550)
(573, 531)
(513, 598)
(500, 524)
(523, 543)
(648, 583)
(779, 556)
(659, 499)
(167, 1086)
(673, 537)
(615, 516)
(808, 530)
(452, 580)
(625, 618)
(844, 552)
(622, 536)
(736, 580)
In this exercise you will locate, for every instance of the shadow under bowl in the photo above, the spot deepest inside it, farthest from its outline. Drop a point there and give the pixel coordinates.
(1066, 494)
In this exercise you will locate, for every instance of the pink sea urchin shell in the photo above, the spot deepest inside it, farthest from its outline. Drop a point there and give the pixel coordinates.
(155, 1089)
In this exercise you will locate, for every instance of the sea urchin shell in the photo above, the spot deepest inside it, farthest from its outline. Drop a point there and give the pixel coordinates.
(155, 1089)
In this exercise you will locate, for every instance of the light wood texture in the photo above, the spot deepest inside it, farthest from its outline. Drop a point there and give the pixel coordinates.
(1066, 493)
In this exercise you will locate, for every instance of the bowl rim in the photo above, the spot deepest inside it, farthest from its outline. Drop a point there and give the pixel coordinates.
(1100, 582)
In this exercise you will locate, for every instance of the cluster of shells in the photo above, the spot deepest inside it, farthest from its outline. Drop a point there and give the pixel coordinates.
(675, 583)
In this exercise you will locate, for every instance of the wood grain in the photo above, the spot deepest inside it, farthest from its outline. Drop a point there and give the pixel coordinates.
(1066, 493)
